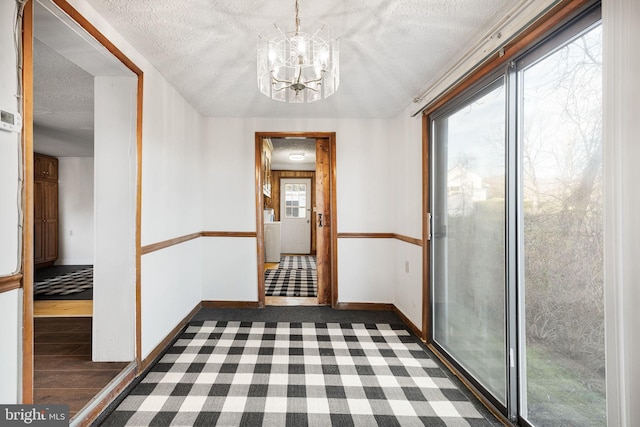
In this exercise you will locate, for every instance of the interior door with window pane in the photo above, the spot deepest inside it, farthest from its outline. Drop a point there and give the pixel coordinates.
(295, 215)
(468, 236)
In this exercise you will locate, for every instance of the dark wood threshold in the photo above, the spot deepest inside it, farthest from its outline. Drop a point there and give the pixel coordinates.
(230, 304)
(375, 306)
(366, 235)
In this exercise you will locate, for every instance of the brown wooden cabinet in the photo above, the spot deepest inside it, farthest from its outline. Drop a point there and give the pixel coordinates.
(45, 215)
(45, 167)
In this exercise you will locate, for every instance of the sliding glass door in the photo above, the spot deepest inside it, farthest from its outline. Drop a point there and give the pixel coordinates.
(469, 236)
(562, 309)
(516, 232)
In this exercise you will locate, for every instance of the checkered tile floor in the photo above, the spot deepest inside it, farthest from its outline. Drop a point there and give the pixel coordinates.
(291, 283)
(297, 262)
(67, 284)
(296, 374)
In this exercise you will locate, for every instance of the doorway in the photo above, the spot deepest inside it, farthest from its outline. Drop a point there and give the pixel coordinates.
(295, 216)
(111, 140)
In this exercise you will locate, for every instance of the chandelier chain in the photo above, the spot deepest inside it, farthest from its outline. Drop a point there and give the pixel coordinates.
(297, 17)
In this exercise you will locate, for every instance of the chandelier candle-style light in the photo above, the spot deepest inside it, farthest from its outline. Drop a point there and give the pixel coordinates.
(298, 66)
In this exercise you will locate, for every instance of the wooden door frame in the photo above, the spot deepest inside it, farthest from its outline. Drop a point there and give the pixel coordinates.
(27, 191)
(333, 241)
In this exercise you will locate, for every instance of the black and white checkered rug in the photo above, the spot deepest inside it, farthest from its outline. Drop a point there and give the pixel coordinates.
(296, 374)
(291, 283)
(66, 284)
(297, 262)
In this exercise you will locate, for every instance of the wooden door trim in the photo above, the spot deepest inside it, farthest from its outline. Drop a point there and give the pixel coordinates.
(9, 283)
(168, 243)
(426, 230)
(334, 222)
(401, 237)
(331, 136)
(27, 192)
(27, 204)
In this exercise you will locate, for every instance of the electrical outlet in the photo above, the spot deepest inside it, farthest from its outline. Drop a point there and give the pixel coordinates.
(406, 266)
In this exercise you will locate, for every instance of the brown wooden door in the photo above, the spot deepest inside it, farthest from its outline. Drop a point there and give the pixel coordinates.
(38, 222)
(323, 219)
(51, 221)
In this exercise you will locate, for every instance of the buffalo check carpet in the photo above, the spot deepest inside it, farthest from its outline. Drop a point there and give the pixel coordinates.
(232, 373)
(296, 276)
(291, 283)
(64, 284)
(297, 262)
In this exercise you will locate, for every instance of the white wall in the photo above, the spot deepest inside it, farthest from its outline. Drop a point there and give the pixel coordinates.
(114, 274)
(621, 36)
(10, 302)
(171, 190)
(9, 147)
(229, 269)
(407, 280)
(75, 206)
(406, 197)
(363, 187)
(11, 354)
(170, 290)
(365, 270)
(171, 207)
(171, 169)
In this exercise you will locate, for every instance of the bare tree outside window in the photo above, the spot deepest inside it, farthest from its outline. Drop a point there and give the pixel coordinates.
(563, 280)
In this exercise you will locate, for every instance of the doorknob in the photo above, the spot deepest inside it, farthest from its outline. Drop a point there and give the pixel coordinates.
(319, 220)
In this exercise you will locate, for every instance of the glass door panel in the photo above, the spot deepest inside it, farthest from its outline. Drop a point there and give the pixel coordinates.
(468, 242)
(562, 353)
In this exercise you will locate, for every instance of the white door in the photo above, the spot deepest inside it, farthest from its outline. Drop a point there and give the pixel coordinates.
(295, 215)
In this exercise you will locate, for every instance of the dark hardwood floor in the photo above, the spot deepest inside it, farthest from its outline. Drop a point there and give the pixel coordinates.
(63, 370)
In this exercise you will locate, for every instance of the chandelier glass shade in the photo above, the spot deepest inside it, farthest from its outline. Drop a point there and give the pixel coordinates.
(298, 66)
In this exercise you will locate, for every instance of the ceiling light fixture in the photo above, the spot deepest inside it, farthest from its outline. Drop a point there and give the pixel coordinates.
(298, 66)
(296, 156)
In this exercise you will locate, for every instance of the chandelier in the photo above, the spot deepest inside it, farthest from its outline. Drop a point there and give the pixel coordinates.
(298, 66)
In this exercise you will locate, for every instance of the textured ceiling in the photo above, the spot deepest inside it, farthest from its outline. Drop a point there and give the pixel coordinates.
(390, 51)
(282, 148)
(62, 104)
